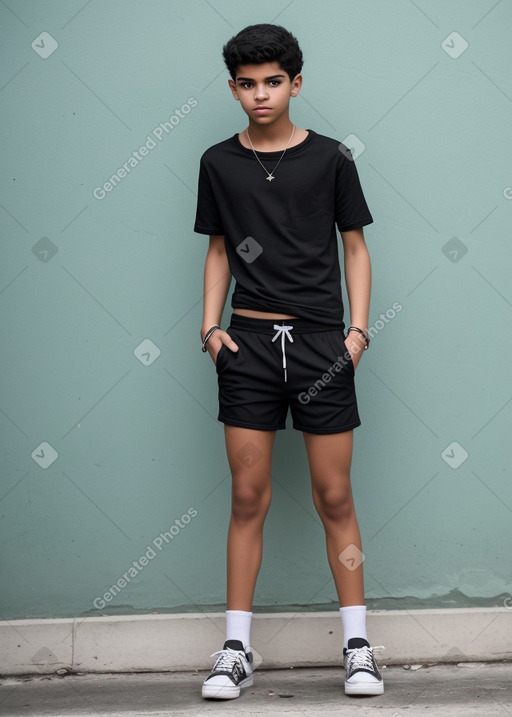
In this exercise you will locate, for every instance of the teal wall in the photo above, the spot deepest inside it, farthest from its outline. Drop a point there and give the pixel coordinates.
(100, 301)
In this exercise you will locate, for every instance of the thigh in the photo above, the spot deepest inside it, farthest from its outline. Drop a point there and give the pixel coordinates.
(330, 458)
(249, 454)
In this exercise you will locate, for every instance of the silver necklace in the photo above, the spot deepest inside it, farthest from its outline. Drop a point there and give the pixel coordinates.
(270, 175)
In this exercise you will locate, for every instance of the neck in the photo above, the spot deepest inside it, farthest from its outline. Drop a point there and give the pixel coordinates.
(276, 134)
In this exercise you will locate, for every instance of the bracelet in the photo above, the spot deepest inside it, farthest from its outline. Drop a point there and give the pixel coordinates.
(363, 333)
(207, 336)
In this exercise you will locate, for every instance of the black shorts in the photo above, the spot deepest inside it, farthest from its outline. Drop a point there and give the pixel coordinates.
(283, 363)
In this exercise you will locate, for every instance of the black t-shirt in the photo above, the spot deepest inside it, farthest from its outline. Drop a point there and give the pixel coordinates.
(280, 235)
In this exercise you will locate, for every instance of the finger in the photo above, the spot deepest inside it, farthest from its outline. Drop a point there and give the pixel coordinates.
(231, 345)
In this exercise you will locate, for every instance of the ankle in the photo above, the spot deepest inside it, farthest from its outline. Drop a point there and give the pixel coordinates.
(238, 626)
(353, 618)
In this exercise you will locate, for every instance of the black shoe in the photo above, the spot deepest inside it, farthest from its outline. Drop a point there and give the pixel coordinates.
(231, 671)
(363, 676)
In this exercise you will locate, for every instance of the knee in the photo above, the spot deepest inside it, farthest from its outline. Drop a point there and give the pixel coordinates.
(248, 503)
(335, 503)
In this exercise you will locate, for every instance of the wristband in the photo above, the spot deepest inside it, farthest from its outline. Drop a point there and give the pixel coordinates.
(207, 336)
(363, 333)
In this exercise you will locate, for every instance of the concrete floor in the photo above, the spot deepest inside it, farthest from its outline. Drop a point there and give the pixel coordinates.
(469, 689)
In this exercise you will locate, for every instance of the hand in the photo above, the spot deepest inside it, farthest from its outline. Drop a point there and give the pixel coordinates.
(355, 346)
(215, 342)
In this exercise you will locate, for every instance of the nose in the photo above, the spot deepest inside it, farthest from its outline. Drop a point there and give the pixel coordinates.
(260, 92)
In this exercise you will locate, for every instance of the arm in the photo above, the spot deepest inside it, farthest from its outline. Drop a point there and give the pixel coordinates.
(358, 282)
(217, 278)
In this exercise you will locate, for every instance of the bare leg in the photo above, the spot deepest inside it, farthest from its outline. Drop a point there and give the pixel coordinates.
(250, 459)
(330, 458)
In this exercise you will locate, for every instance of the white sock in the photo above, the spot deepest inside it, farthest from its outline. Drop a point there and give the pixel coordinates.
(353, 619)
(238, 626)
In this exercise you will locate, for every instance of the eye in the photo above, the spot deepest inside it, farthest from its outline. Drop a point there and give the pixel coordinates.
(275, 83)
(246, 85)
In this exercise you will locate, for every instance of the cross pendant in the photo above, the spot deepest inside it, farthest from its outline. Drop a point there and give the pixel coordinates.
(270, 178)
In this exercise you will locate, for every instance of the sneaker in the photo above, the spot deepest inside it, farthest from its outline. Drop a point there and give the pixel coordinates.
(231, 671)
(363, 676)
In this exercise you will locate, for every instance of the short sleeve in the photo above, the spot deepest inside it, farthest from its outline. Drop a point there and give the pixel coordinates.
(208, 219)
(351, 208)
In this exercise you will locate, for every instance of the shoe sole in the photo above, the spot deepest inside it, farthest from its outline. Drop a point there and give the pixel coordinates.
(229, 692)
(364, 688)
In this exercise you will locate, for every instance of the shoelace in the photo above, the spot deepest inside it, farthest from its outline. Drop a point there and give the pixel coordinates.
(283, 332)
(227, 659)
(361, 657)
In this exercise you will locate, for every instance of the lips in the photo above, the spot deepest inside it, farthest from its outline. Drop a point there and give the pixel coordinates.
(262, 109)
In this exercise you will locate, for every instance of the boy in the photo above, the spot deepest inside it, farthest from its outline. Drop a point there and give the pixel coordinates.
(270, 198)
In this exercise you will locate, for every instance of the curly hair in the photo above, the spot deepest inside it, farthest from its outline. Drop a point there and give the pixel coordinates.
(257, 44)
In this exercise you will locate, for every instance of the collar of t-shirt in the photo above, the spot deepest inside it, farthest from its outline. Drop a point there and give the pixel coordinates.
(277, 153)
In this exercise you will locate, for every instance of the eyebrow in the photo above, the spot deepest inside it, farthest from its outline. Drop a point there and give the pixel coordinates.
(251, 79)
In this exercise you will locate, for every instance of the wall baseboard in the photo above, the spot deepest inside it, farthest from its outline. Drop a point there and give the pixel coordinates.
(154, 643)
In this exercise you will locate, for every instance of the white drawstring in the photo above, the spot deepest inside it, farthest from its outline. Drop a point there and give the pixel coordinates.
(283, 331)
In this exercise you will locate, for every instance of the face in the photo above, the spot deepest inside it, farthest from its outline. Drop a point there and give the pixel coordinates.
(264, 91)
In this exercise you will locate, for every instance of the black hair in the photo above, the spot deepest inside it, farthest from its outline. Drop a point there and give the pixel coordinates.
(257, 44)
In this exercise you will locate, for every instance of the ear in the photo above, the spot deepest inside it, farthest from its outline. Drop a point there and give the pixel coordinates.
(232, 86)
(296, 85)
